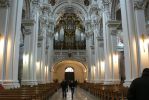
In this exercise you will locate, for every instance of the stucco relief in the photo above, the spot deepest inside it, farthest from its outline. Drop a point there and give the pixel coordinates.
(4, 3)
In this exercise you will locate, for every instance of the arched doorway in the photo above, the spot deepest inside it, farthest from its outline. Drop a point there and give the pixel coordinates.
(79, 70)
(69, 74)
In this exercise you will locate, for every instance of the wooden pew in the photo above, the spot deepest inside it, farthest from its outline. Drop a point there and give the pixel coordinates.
(106, 92)
(39, 92)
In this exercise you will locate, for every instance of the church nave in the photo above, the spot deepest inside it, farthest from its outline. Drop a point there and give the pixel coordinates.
(79, 94)
(103, 45)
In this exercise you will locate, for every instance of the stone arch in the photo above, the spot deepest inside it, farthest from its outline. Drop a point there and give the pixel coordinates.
(75, 5)
(80, 70)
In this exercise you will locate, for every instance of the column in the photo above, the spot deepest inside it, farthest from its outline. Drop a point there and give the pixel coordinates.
(129, 34)
(50, 54)
(38, 62)
(29, 55)
(88, 48)
(96, 44)
(101, 59)
(93, 67)
(30, 46)
(11, 38)
(88, 43)
(4, 8)
(141, 30)
(113, 25)
(41, 59)
(107, 44)
(50, 49)
(41, 50)
(46, 76)
(35, 14)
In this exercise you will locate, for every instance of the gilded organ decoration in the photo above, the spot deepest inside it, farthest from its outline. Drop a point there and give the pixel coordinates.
(69, 32)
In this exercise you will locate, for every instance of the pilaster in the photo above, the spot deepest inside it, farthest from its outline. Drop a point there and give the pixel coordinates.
(11, 13)
(29, 56)
(4, 8)
(101, 63)
(89, 33)
(42, 49)
(113, 25)
(130, 48)
(93, 67)
(50, 56)
(107, 43)
(96, 51)
(141, 30)
(88, 44)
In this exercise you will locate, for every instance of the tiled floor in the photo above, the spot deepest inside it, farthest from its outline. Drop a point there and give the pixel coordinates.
(78, 95)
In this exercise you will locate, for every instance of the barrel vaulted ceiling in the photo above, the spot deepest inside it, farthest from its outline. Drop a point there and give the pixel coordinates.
(79, 7)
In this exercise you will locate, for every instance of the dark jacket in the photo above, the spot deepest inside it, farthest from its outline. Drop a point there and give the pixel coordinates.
(64, 85)
(139, 88)
(72, 85)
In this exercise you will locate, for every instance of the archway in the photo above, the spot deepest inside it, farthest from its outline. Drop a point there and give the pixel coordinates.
(79, 70)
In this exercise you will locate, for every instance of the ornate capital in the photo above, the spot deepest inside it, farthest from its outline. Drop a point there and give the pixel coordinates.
(113, 25)
(43, 20)
(106, 4)
(45, 8)
(94, 8)
(28, 31)
(100, 38)
(28, 22)
(50, 34)
(139, 4)
(89, 34)
(88, 27)
(96, 23)
(28, 26)
(4, 3)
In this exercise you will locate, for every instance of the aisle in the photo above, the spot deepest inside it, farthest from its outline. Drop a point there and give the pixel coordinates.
(78, 95)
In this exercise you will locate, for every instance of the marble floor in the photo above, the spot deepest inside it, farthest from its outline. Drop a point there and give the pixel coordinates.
(79, 94)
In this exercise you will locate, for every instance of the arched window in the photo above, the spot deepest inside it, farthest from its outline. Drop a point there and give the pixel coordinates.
(69, 69)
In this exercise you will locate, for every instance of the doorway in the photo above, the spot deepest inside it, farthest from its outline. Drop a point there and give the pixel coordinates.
(69, 74)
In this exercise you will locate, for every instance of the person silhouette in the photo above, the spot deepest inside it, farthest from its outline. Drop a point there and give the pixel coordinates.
(64, 87)
(72, 87)
(139, 88)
